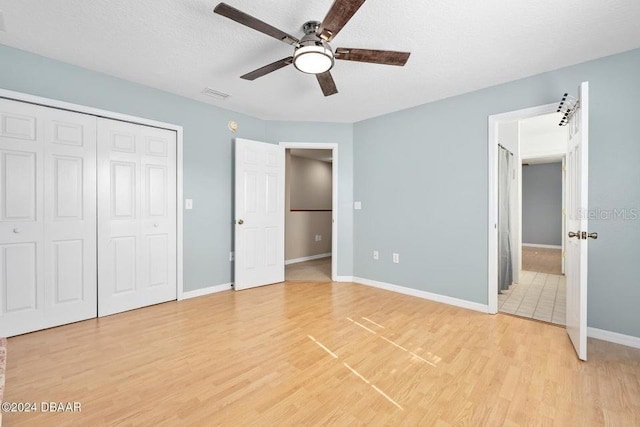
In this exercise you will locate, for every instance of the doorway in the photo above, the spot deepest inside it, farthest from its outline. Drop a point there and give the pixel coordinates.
(531, 217)
(310, 207)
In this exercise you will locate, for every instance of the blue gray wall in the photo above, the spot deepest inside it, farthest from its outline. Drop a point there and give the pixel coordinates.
(542, 204)
(421, 175)
(208, 145)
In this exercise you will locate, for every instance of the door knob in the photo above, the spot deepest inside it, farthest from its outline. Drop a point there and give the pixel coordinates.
(240, 222)
(593, 236)
(572, 234)
(16, 230)
(156, 225)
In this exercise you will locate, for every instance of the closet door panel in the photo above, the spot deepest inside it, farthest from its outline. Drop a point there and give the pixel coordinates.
(70, 216)
(19, 278)
(136, 215)
(47, 217)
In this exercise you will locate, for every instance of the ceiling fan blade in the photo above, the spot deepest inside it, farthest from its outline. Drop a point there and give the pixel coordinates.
(268, 69)
(251, 22)
(327, 84)
(340, 13)
(387, 57)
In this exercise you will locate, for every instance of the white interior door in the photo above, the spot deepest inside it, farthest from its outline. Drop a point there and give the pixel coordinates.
(136, 216)
(577, 224)
(259, 210)
(47, 217)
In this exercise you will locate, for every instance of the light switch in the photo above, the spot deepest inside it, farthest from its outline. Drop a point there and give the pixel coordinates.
(357, 205)
(188, 204)
(376, 255)
(396, 258)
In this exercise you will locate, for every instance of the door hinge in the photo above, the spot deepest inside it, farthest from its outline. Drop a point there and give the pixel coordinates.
(564, 212)
(564, 168)
(564, 254)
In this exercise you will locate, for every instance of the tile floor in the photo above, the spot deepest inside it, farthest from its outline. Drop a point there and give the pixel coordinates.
(539, 296)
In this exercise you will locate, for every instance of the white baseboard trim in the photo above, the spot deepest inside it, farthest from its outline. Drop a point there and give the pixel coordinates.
(344, 279)
(613, 337)
(424, 294)
(306, 258)
(535, 245)
(206, 291)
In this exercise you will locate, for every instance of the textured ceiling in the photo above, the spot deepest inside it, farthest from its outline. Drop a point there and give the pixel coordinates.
(457, 46)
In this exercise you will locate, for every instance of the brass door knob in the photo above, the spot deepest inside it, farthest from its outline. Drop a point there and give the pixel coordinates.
(572, 234)
(593, 235)
(240, 222)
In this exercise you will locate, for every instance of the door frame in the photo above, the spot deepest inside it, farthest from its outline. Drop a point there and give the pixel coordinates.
(334, 194)
(492, 217)
(82, 109)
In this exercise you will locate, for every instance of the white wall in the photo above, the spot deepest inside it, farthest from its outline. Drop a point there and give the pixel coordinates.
(541, 137)
(508, 136)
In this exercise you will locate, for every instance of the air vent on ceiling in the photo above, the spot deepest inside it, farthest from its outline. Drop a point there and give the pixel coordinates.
(215, 94)
(2, 26)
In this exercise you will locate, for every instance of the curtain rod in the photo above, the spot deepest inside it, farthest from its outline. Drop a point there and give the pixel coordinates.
(502, 146)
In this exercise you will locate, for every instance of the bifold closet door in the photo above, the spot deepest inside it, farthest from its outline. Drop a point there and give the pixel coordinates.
(136, 216)
(47, 217)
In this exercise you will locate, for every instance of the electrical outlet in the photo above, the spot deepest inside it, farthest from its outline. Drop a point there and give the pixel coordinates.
(396, 258)
(357, 205)
(376, 255)
(232, 256)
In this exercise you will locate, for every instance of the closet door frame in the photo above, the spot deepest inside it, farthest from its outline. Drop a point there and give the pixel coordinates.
(47, 102)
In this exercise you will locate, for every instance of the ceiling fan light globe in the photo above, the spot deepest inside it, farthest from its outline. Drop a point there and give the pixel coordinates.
(313, 59)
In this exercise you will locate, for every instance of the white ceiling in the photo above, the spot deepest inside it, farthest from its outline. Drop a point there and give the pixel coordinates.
(538, 135)
(457, 46)
(543, 124)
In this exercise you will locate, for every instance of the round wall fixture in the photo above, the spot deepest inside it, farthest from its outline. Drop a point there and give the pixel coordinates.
(233, 126)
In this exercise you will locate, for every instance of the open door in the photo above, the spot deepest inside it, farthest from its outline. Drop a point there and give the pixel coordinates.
(577, 223)
(259, 211)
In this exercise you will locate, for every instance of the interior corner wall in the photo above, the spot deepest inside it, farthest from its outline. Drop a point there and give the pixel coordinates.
(207, 150)
(307, 208)
(421, 175)
(542, 204)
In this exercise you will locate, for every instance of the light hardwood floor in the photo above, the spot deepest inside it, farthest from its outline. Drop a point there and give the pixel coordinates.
(319, 353)
(542, 260)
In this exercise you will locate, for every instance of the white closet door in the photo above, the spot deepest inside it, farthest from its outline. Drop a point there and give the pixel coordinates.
(47, 217)
(136, 216)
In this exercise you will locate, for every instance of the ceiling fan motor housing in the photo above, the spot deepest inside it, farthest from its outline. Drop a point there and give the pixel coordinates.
(313, 55)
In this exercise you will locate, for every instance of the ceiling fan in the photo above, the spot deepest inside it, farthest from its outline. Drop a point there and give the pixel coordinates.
(312, 53)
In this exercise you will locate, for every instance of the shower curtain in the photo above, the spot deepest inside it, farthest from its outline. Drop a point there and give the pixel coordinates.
(505, 267)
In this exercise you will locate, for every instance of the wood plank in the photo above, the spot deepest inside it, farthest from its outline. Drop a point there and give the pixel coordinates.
(242, 358)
